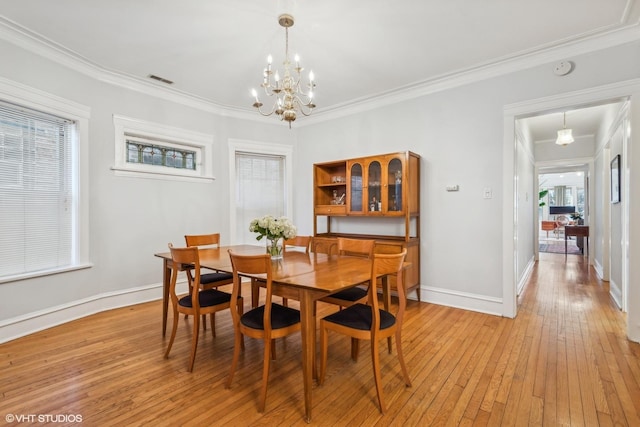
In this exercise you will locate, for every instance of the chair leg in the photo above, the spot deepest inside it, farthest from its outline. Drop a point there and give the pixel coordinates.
(375, 360)
(324, 343)
(389, 344)
(405, 373)
(273, 349)
(194, 341)
(173, 334)
(265, 374)
(236, 356)
(212, 317)
(355, 348)
(204, 322)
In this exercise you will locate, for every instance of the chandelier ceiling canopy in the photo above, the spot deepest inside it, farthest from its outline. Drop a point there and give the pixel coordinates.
(288, 97)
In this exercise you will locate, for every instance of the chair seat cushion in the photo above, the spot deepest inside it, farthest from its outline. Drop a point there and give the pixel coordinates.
(350, 294)
(358, 316)
(207, 298)
(208, 278)
(281, 317)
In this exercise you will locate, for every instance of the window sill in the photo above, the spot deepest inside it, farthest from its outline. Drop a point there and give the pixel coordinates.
(159, 175)
(42, 273)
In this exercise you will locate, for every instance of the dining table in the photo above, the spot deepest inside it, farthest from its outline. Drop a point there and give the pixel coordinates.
(305, 277)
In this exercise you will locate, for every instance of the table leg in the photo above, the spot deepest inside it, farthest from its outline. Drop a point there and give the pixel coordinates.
(308, 326)
(166, 278)
(565, 243)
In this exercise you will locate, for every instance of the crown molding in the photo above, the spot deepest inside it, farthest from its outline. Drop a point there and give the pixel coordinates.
(588, 42)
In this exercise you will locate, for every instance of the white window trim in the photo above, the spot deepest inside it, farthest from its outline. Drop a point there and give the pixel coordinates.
(164, 135)
(39, 100)
(258, 148)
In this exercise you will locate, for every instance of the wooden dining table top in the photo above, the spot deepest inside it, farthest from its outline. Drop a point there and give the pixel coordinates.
(311, 271)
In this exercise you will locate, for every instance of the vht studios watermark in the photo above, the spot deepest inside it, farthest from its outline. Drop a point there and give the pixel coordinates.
(43, 418)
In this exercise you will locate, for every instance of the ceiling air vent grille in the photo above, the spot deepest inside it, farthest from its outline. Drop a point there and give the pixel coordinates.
(160, 79)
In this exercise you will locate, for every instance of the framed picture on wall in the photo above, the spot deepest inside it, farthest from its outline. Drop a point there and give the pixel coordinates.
(615, 179)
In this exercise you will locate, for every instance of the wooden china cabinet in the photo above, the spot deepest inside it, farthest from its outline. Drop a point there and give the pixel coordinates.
(373, 197)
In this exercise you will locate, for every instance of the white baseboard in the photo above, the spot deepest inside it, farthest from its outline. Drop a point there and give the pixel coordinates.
(23, 325)
(616, 293)
(524, 279)
(463, 300)
(599, 269)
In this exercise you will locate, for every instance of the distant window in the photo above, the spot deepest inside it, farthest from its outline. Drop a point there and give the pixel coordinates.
(154, 150)
(140, 151)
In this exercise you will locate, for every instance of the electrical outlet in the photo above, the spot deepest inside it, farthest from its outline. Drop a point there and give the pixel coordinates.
(487, 193)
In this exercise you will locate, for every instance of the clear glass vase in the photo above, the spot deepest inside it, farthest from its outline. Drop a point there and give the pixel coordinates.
(274, 248)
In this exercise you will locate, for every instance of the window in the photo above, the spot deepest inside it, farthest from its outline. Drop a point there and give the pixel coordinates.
(147, 153)
(154, 150)
(44, 214)
(260, 177)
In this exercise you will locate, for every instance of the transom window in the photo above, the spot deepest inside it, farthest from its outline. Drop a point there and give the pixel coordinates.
(139, 151)
(155, 150)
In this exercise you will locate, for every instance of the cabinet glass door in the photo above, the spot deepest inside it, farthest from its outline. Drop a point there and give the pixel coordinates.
(355, 200)
(373, 191)
(394, 179)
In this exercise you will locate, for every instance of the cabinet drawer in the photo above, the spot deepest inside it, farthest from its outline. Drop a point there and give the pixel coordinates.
(331, 210)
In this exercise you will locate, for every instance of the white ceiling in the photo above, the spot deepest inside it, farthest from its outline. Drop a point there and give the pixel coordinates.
(359, 50)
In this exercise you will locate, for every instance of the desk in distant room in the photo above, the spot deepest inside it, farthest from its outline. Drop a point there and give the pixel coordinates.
(578, 231)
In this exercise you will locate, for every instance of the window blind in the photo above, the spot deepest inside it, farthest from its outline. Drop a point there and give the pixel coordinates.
(37, 200)
(260, 190)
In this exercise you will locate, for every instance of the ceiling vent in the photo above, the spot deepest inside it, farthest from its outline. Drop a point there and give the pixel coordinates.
(160, 79)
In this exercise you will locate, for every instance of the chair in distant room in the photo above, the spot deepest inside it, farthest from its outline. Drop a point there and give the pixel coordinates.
(369, 322)
(266, 322)
(198, 302)
(207, 280)
(561, 221)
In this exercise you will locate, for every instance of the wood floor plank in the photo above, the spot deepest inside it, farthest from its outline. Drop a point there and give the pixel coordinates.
(564, 360)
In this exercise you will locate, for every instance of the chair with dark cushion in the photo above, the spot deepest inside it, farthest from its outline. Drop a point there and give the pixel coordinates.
(358, 294)
(369, 322)
(207, 280)
(198, 302)
(266, 322)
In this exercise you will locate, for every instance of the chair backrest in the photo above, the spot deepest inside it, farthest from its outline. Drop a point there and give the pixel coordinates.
(384, 264)
(324, 246)
(203, 239)
(251, 265)
(299, 242)
(562, 220)
(357, 247)
(186, 256)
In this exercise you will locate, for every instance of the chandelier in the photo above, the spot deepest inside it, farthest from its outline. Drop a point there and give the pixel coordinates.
(288, 98)
(564, 134)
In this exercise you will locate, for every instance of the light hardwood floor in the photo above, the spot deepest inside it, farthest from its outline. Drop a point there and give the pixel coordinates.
(564, 360)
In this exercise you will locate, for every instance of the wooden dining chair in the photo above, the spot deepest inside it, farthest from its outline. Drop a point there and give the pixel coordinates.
(208, 280)
(198, 302)
(299, 242)
(266, 322)
(357, 294)
(369, 322)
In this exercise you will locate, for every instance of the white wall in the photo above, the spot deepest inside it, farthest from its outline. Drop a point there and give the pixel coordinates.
(130, 218)
(458, 133)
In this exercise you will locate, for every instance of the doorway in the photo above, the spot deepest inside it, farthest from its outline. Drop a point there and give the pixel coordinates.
(562, 200)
